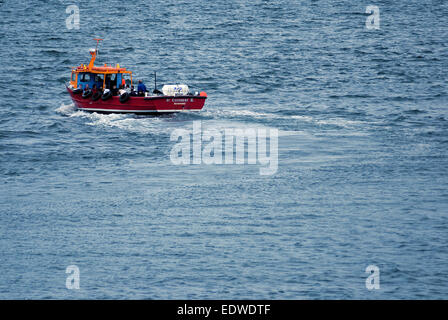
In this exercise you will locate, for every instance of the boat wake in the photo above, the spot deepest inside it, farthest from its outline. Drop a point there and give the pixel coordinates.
(126, 122)
(216, 119)
(265, 116)
(66, 109)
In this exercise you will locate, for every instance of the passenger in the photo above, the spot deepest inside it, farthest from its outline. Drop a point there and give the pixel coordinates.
(78, 89)
(94, 89)
(141, 89)
(86, 87)
(122, 90)
(108, 78)
(114, 90)
(133, 93)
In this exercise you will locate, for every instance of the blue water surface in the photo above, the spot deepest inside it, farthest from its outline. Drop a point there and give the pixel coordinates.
(362, 173)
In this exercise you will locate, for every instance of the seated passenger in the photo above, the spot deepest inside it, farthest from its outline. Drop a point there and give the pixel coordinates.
(141, 89)
(133, 93)
(108, 81)
(94, 89)
(86, 87)
(114, 90)
(122, 90)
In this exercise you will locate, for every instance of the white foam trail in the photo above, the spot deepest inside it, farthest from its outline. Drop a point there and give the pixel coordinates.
(339, 122)
(220, 126)
(252, 114)
(220, 120)
(333, 121)
(236, 113)
(66, 109)
(125, 122)
(305, 118)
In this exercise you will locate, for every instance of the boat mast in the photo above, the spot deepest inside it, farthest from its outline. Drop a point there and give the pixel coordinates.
(94, 54)
(97, 41)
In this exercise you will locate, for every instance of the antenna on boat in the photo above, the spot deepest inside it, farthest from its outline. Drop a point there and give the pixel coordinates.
(155, 84)
(155, 80)
(97, 42)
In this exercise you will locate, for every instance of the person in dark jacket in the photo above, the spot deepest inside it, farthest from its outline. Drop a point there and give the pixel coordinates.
(141, 89)
(114, 91)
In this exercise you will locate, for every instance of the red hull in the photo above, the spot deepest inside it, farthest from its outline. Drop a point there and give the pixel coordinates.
(154, 104)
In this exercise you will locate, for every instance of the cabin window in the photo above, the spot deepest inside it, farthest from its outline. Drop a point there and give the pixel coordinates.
(73, 76)
(85, 77)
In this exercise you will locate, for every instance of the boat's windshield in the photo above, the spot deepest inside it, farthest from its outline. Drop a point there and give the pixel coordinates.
(91, 79)
(100, 80)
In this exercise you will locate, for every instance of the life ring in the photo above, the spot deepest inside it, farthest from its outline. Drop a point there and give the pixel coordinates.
(86, 94)
(96, 96)
(124, 97)
(106, 95)
(77, 91)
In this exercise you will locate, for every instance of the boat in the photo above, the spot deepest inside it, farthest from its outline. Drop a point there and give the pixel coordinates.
(94, 89)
